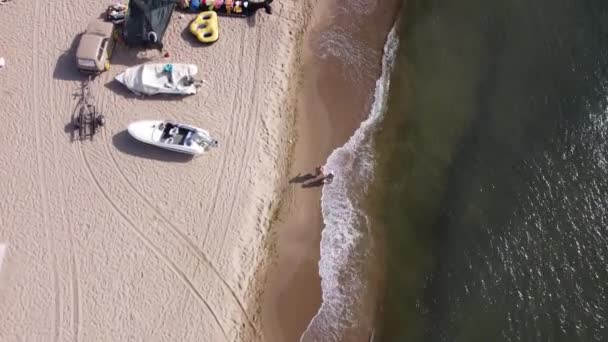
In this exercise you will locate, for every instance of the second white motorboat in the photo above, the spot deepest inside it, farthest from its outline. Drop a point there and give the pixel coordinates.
(173, 136)
(151, 79)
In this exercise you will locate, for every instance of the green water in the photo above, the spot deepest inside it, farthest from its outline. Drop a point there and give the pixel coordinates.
(492, 187)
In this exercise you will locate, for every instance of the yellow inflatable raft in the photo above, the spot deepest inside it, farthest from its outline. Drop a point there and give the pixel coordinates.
(205, 28)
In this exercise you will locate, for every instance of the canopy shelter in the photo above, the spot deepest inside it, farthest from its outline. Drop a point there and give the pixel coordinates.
(147, 21)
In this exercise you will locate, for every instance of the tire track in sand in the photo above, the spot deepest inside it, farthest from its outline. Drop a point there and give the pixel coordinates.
(76, 314)
(60, 197)
(40, 170)
(251, 115)
(240, 124)
(233, 106)
(154, 248)
(67, 222)
(191, 245)
(248, 122)
(236, 125)
(57, 93)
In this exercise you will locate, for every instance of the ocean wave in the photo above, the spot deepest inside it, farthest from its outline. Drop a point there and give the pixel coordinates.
(346, 225)
(340, 40)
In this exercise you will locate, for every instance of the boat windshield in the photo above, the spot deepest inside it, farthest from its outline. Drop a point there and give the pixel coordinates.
(198, 138)
(204, 141)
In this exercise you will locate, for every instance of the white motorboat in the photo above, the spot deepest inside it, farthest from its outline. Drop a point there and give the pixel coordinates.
(151, 79)
(173, 136)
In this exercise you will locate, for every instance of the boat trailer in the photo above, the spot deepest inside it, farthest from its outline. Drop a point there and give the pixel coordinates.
(87, 120)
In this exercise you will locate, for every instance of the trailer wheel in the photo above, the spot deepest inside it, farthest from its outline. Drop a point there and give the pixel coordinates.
(101, 120)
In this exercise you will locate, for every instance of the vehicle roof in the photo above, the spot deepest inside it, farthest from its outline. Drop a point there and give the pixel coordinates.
(100, 28)
(88, 46)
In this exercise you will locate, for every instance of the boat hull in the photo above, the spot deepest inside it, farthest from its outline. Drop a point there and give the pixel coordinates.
(152, 79)
(146, 131)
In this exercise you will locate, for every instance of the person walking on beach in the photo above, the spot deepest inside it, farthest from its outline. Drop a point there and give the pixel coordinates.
(329, 178)
(318, 171)
(325, 178)
(319, 181)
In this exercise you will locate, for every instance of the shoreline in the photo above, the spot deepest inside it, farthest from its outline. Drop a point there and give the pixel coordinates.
(293, 287)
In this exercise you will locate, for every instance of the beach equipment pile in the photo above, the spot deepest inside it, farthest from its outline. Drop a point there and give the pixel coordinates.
(143, 23)
(237, 8)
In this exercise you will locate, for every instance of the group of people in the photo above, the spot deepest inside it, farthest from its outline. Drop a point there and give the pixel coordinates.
(326, 178)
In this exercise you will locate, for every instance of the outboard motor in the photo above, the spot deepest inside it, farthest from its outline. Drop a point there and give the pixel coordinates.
(152, 37)
(267, 7)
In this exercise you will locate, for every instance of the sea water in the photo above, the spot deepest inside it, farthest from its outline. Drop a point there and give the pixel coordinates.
(483, 168)
(491, 173)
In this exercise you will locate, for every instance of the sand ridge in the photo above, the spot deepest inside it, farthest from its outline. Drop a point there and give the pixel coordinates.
(113, 240)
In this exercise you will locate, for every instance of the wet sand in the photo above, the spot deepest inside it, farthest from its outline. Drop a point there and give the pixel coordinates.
(333, 99)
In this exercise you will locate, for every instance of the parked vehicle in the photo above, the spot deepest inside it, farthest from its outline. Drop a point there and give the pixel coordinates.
(95, 47)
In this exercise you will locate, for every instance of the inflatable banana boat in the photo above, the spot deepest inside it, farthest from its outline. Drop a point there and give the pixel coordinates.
(237, 8)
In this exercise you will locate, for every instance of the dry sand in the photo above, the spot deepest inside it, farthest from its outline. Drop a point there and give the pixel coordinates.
(2, 252)
(112, 240)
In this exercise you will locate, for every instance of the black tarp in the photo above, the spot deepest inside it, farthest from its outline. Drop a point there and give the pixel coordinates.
(147, 21)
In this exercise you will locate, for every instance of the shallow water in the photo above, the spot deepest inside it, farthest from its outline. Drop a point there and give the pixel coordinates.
(491, 184)
(346, 241)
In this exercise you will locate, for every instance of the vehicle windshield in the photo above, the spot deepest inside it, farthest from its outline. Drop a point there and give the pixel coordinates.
(104, 42)
(86, 63)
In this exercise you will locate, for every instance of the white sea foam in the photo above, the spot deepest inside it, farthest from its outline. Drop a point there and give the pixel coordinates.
(345, 223)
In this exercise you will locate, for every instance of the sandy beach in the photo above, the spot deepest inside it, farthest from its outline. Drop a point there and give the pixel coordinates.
(114, 240)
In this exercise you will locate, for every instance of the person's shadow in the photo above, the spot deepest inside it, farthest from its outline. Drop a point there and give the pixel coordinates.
(314, 184)
(302, 178)
(308, 180)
